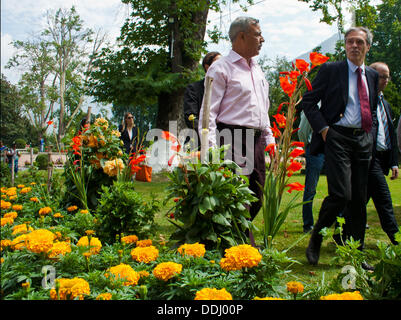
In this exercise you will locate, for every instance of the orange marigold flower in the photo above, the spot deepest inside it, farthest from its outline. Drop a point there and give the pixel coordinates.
(95, 244)
(129, 239)
(44, 211)
(144, 243)
(40, 240)
(12, 214)
(145, 254)
(238, 257)
(343, 296)
(4, 221)
(295, 287)
(59, 248)
(72, 208)
(166, 270)
(69, 289)
(213, 294)
(126, 273)
(34, 199)
(194, 250)
(104, 296)
(17, 207)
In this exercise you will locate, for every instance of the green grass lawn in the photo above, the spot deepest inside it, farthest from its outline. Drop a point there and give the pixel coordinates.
(291, 231)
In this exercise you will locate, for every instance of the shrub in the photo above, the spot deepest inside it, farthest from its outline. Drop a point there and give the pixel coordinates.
(123, 210)
(5, 174)
(42, 161)
(20, 143)
(210, 203)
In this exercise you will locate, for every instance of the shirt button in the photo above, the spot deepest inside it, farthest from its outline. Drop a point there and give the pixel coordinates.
(341, 115)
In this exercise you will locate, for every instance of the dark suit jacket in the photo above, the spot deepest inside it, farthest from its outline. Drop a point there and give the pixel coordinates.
(392, 159)
(127, 141)
(193, 102)
(330, 86)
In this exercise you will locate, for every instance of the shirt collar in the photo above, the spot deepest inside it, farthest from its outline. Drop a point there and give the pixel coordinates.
(353, 67)
(234, 57)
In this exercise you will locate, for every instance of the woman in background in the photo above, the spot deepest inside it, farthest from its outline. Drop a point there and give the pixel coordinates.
(129, 133)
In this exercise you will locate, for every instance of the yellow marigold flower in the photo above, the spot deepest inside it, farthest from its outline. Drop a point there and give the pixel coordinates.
(33, 183)
(53, 294)
(5, 205)
(34, 199)
(5, 243)
(20, 186)
(5, 221)
(69, 289)
(126, 273)
(84, 211)
(21, 228)
(12, 198)
(145, 254)
(3, 196)
(295, 287)
(213, 294)
(3, 189)
(238, 257)
(343, 296)
(11, 191)
(40, 240)
(143, 273)
(72, 208)
(267, 298)
(26, 285)
(194, 250)
(95, 244)
(129, 239)
(25, 190)
(89, 232)
(59, 248)
(12, 214)
(116, 133)
(104, 296)
(166, 270)
(58, 215)
(144, 243)
(19, 242)
(1, 260)
(17, 207)
(112, 167)
(44, 211)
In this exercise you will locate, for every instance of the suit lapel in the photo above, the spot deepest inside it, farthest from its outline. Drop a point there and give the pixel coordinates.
(372, 89)
(344, 81)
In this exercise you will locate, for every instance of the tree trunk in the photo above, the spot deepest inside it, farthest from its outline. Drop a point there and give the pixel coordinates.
(171, 103)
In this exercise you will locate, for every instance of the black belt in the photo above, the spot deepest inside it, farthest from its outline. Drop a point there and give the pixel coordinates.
(220, 126)
(348, 131)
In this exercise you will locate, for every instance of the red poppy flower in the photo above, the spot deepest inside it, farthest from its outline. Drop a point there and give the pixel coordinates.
(293, 167)
(308, 84)
(271, 148)
(302, 65)
(317, 58)
(280, 119)
(296, 153)
(275, 130)
(295, 186)
(287, 86)
(169, 136)
(297, 144)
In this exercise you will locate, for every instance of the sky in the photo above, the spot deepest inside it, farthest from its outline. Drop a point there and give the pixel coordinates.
(290, 28)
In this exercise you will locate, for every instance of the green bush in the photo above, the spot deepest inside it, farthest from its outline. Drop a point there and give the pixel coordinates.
(20, 143)
(5, 174)
(123, 210)
(210, 203)
(42, 161)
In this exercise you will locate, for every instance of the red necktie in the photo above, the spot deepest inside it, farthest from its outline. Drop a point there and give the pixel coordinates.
(366, 117)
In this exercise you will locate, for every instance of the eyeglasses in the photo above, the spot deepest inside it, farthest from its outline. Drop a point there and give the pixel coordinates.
(385, 78)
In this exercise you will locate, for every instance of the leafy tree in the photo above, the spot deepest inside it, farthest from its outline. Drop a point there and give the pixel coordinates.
(157, 54)
(12, 125)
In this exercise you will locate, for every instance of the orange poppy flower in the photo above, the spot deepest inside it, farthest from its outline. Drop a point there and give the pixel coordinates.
(317, 58)
(302, 65)
(295, 186)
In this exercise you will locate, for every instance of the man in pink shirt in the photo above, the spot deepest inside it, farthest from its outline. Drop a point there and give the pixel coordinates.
(239, 105)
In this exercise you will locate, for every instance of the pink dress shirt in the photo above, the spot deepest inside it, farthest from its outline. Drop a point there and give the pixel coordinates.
(240, 96)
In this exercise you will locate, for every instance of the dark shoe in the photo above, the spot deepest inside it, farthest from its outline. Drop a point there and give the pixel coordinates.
(308, 229)
(366, 266)
(313, 250)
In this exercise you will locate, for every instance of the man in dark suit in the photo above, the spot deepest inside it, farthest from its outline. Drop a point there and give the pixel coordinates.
(385, 158)
(343, 128)
(193, 95)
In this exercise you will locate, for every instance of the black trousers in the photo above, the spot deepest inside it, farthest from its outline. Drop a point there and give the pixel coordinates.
(347, 155)
(248, 151)
(379, 192)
